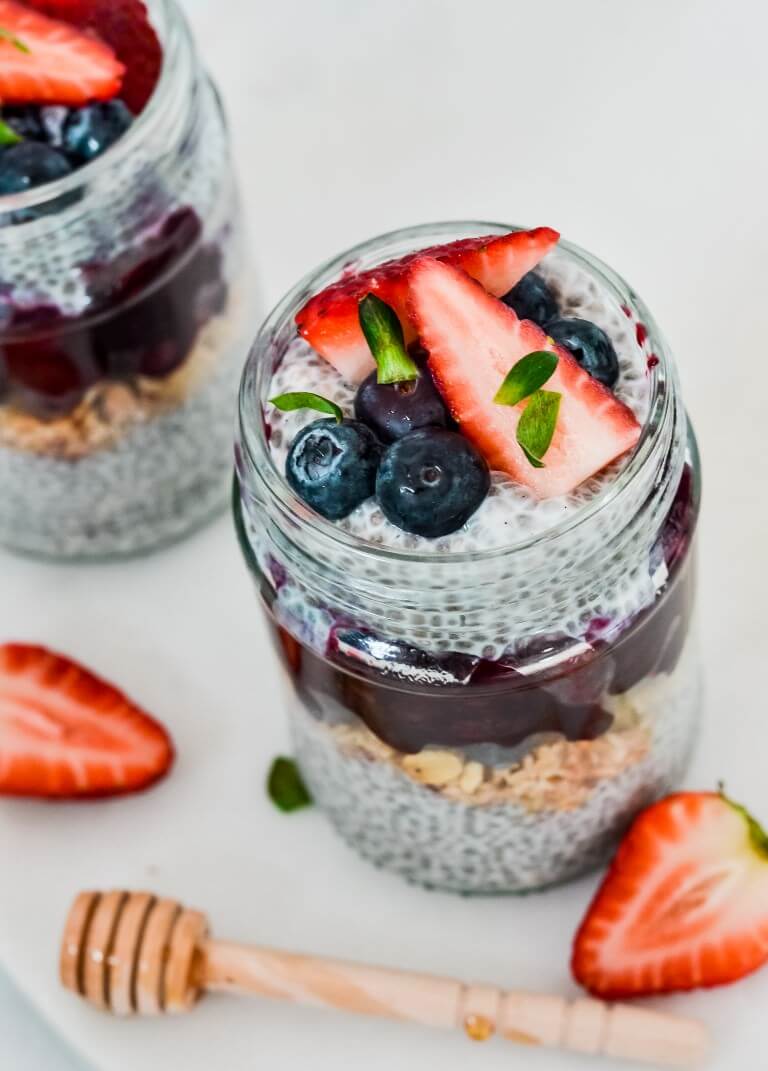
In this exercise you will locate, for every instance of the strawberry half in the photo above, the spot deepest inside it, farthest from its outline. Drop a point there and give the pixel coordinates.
(473, 341)
(685, 903)
(62, 65)
(65, 732)
(329, 320)
(124, 25)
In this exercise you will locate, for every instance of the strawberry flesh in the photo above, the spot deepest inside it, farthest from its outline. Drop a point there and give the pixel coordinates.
(329, 321)
(63, 65)
(473, 340)
(124, 25)
(685, 903)
(64, 732)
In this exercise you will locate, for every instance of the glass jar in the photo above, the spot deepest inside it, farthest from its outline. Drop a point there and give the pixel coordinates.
(122, 300)
(485, 721)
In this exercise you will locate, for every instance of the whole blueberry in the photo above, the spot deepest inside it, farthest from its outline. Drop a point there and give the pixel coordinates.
(532, 299)
(393, 410)
(590, 345)
(29, 164)
(90, 131)
(332, 467)
(431, 482)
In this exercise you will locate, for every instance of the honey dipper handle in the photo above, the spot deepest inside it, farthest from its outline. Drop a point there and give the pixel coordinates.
(585, 1026)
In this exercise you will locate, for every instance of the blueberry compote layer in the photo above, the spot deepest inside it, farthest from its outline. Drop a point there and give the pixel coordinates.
(144, 312)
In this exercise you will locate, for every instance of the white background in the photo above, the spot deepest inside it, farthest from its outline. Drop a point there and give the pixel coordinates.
(636, 129)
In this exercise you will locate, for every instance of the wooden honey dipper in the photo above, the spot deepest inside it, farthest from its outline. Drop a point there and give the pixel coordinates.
(134, 953)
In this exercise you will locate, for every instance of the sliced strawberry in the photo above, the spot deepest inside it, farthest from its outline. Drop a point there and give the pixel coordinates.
(61, 65)
(329, 320)
(685, 903)
(65, 732)
(125, 26)
(473, 341)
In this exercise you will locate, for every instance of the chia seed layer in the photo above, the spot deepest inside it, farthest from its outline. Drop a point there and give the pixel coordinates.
(157, 466)
(523, 828)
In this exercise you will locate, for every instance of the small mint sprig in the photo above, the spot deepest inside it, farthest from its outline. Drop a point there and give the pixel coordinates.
(384, 335)
(301, 399)
(526, 377)
(538, 420)
(6, 35)
(8, 135)
(285, 786)
(536, 425)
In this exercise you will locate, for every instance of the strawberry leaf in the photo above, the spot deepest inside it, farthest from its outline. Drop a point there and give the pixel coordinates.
(384, 335)
(285, 786)
(8, 135)
(526, 377)
(537, 425)
(6, 35)
(301, 399)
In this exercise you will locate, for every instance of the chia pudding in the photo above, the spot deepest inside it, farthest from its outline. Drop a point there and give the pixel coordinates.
(481, 709)
(121, 297)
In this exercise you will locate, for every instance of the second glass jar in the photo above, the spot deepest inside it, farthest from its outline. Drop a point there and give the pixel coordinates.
(122, 306)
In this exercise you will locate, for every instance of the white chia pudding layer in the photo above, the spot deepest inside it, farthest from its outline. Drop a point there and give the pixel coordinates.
(446, 821)
(137, 465)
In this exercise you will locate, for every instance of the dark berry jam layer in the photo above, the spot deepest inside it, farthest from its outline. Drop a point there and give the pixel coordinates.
(411, 699)
(146, 307)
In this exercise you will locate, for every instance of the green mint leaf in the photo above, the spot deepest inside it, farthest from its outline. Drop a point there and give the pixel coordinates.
(300, 399)
(537, 425)
(384, 335)
(285, 786)
(6, 35)
(8, 135)
(526, 377)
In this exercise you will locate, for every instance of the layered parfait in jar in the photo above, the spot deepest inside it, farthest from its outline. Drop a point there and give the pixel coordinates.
(121, 293)
(467, 491)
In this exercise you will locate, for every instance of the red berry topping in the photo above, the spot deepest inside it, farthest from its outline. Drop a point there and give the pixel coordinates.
(473, 340)
(65, 732)
(124, 25)
(58, 64)
(329, 321)
(685, 903)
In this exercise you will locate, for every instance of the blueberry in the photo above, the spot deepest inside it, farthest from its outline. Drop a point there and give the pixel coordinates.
(393, 410)
(532, 299)
(431, 482)
(29, 164)
(590, 345)
(90, 131)
(333, 466)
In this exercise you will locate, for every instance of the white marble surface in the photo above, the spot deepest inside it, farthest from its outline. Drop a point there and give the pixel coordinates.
(637, 130)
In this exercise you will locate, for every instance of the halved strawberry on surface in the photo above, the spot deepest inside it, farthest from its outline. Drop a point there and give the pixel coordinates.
(473, 340)
(59, 63)
(685, 903)
(123, 25)
(64, 732)
(329, 320)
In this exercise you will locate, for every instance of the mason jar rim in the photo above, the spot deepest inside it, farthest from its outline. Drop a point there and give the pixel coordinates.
(171, 25)
(259, 367)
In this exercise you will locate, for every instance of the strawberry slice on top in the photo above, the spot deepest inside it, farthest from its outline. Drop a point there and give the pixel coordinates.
(685, 903)
(473, 341)
(329, 320)
(64, 732)
(123, 25)
(58, 63)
